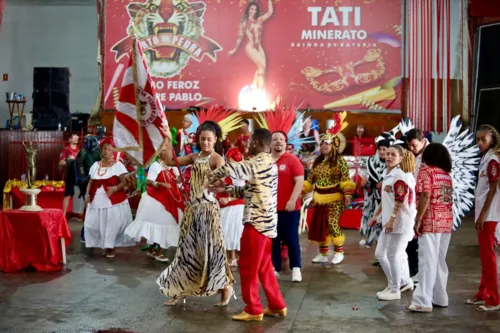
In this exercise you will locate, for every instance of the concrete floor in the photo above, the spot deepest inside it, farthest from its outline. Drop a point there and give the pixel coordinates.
(93, 294)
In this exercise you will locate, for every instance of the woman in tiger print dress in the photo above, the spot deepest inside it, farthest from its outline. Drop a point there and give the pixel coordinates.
(200, 267)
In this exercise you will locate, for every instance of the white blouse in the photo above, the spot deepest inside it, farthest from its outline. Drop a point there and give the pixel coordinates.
(117, 169)
(398, 186)
(483, 187)
(101, 200)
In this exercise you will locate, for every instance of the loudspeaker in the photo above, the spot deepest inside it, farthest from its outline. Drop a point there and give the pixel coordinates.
(488, 107)
(486, 79)
(79, 121)
(51, 96)
(48, 79)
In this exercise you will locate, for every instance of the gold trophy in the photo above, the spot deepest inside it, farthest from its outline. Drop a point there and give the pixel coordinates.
(30, 193)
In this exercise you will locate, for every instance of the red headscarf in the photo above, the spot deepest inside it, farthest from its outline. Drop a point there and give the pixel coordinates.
(234, 154)
(107, 140)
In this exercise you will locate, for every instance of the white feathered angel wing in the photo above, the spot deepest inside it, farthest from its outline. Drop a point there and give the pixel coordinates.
(294, 134)
(465, 162)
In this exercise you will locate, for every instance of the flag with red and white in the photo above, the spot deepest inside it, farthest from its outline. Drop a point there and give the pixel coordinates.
(140, 127)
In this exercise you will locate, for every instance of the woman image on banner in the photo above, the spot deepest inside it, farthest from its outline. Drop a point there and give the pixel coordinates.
(251, 25)
(231, 211)
(160, 210)
(200, 267)
(108, 211)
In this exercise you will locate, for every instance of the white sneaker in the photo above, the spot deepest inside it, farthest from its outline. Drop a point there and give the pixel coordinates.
(337, 258)
(320, 259)
(362, 242)
(389, 296)
(296, 275)
(277, 274)
(409, 286)
(383, 291)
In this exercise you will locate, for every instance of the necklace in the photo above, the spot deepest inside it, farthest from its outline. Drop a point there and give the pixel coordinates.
(166, 170)
(101, 171)
(208, 155)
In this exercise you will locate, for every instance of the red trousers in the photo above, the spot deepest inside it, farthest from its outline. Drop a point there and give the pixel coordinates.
(488, 289)
(255, 264)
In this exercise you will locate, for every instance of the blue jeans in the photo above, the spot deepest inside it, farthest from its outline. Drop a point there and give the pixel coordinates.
(288, 231)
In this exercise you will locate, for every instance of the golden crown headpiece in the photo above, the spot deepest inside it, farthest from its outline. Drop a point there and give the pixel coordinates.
(331, 135)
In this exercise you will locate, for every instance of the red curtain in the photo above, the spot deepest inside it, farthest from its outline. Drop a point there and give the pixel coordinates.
(429, 76)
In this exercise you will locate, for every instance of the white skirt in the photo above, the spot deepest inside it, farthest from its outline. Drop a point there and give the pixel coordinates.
(154, 223)
(232, 226)
(105, 227)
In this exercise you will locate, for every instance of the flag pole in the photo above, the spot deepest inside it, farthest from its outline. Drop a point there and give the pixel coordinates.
(186, 199)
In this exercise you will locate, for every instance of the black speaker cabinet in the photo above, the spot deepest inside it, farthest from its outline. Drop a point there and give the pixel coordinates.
(79, 121)
(486, 76)
(51, 93)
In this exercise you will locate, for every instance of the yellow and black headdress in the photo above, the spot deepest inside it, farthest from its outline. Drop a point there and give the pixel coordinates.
(331, 136)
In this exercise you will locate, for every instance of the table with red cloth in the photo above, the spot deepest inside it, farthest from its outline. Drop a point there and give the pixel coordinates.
(51, 195)
(32, 239)
(47, 198)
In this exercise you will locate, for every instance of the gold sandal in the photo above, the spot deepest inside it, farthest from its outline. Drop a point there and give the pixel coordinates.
(229, 291)
(173, 301)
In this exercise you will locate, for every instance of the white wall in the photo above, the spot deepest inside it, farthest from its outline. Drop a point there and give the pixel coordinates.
(49, 35)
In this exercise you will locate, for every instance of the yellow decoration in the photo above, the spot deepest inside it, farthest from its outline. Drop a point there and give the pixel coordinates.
(326, 199)
(307, 187)
(230, 123)
(348, 185)
(21, 184)
(380, 93)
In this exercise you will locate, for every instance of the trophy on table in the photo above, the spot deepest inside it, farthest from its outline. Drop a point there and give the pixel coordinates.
(30, 193)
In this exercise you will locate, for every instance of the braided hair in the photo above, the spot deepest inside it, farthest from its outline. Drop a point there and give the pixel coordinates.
(408, 162)
(494, 135)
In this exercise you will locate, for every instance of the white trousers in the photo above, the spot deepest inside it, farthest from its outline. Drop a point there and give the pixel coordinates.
(391, 254)
(433, 271)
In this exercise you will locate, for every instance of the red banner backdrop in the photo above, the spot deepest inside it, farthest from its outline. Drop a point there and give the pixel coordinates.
(340, 54)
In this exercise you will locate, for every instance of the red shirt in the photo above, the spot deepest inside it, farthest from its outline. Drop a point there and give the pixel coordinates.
(243, 143)
(438, 218)
(68, 151)
(289, 167)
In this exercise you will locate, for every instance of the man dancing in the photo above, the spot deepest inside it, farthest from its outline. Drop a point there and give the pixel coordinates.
(260, 219)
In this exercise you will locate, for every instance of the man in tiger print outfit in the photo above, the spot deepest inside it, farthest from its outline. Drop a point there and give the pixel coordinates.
(260, 220)
(333, 190)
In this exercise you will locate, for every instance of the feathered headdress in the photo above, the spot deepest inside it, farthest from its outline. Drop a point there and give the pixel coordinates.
(283, 119)
(331, 135)
(227, 120)
(387, 139)
(404, 126)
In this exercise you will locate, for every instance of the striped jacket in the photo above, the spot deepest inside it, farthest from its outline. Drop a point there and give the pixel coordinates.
(260, 192)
